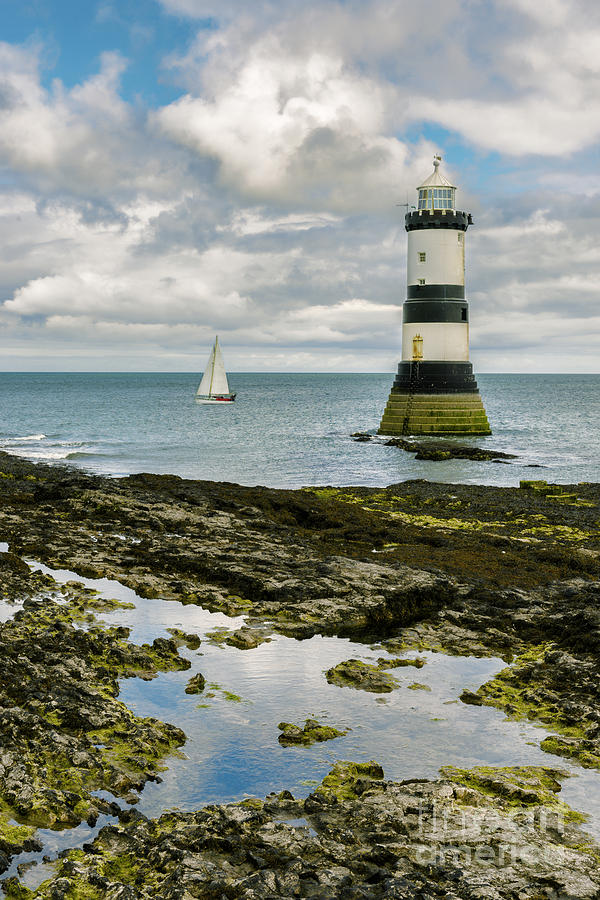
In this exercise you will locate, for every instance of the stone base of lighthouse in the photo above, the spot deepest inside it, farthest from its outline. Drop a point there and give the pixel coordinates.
(434, 398)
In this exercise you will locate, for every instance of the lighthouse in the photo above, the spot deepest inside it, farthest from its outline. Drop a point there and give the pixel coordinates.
(435, 391)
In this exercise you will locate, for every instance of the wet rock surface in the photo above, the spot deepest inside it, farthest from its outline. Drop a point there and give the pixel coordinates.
(311, 732)
(196, 684)
(440, 450)
(460, 568)
(470, 834)
(364, 676)
(531, 689)
(64, 734)
(510, 572)
(245, 638)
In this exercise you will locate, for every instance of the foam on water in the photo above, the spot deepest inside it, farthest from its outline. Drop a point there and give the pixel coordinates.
(45, 448)
(27, 437)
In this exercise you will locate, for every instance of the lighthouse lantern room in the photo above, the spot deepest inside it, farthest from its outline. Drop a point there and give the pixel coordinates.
(435, 391)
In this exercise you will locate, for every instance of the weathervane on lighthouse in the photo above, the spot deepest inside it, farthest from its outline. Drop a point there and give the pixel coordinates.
(435, 391)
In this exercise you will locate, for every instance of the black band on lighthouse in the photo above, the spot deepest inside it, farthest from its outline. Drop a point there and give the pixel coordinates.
(421, 377)
(435, 311)
(439, 218)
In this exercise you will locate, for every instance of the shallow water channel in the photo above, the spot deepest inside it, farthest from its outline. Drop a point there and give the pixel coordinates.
(232, 749)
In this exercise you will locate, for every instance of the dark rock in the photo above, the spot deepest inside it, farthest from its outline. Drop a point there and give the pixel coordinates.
(13, 563)
(441, 450)
(196, 684)
(400, 662)
(361, 675)
(191, 641)
(471, 698)
(311, 732)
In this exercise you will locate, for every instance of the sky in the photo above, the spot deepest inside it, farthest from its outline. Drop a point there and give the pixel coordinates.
(174, 169)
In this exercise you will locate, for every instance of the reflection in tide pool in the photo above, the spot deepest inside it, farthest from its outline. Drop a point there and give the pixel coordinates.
(232, 749)
(32, 868)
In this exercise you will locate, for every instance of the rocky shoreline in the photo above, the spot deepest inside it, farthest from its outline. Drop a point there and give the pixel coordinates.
(469, 834)
(462, 569)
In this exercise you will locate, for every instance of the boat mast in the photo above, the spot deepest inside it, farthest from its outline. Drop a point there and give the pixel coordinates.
(214, 357)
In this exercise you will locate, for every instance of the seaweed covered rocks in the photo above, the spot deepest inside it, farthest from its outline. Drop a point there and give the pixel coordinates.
(64, 733)
(436, 451)
(344, 561)
(534, 688)
(356, 836)
(363, 676)
(286, 556)
(456, 568)
(196, 684)
(311, 732)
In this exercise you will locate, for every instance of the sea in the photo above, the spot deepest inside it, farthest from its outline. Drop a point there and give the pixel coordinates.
(290, 430)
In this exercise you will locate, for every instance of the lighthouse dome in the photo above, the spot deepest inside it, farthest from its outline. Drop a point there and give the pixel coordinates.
(436, 192)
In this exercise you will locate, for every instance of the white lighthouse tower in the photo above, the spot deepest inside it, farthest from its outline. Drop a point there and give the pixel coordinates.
(435, 391)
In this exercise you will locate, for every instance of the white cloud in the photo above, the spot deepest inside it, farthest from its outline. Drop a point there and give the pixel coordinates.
(304, 130)
(252, 222)
(85, 141)
(540, 83)
(535, 125)
(183, 287)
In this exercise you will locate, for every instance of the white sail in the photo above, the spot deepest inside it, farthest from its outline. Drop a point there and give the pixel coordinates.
(214, 381)
(204, 386)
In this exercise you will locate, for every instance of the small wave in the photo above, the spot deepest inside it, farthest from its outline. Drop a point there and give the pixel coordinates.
(52, 451)
(41, 454)
(27, 437)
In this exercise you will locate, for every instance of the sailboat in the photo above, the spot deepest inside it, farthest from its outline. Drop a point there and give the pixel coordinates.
(214, 387)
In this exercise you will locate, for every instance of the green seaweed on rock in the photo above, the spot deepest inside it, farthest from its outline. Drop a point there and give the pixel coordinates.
(531, 690)
(362, 676)
(312, 731)
(516, 786)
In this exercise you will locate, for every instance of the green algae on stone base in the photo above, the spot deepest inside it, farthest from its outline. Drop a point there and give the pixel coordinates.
(15, 838)
(400, 662)
(525, 526)
(578, 748)
(312, 732)
(196, 684)
(245, 638)
(183, 639)
(439, 638)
